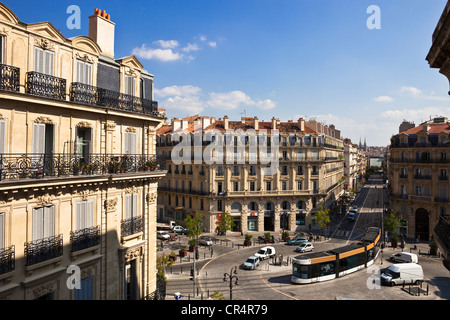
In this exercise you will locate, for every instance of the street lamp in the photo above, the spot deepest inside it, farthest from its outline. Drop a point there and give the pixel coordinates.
(231, 277)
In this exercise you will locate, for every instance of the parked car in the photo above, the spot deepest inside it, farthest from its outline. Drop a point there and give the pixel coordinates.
(251, 263)
(297, 241)
(402, 273)
(404, 257)
(305, 247)
(206, 241)
(163, 235)
(178, 229)
(185, 231)
(265, 253)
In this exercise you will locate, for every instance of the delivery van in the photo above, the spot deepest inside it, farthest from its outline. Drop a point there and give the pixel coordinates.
(404, 257)
(402, 273)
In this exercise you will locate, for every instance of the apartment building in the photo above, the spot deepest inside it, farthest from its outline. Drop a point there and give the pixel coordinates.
(77, 146)
(309, 173)
(419, 176)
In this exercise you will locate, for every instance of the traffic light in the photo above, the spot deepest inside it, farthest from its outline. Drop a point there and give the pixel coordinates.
(192, 274)
(404, 223)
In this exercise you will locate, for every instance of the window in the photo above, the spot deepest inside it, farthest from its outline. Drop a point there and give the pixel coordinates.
(219, 171)
(418, 190)
(129, 85)
(268, 186)
(284, 186)
(84, 72)
(235, 186)
(131, 206)
(219, 205)
(252, 171)
(201, 205)
(2, 49)
(84, 215)
(252, 186)
(130, 143)
(2, 136)
(43, 61)
(86, 291)
(299, 185)
(43, 222)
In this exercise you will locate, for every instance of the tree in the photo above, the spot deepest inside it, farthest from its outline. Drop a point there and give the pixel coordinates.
(392, 222)
(162, 263)
(226, 222)
(194, 224)
(322, 217)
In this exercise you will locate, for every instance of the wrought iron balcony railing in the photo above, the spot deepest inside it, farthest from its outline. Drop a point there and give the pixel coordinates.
(87, 94)
(38, 166)
(43, 249)
(442, 230)
(85, 238)
(7, 260)
(131, 226)
(9, 78)
(43, 85)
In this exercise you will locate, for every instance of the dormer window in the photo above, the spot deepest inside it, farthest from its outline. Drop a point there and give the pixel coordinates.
(84, 72)
(43, 61)
(129, 85)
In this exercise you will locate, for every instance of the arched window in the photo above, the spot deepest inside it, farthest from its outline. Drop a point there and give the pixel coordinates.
(236, 207)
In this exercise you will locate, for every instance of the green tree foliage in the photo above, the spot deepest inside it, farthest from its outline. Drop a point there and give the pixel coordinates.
(322, 217)
(392, 222)
(194, 224)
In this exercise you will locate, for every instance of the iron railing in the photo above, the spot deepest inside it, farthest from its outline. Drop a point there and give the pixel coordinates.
(38, 166)
(9, 78)
(43, 249)
(44, 85)
(87, 94)
(131, 226)
(85, 238)
(7, 260)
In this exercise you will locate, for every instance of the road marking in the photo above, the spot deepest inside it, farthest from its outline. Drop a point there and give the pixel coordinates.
(265, 282)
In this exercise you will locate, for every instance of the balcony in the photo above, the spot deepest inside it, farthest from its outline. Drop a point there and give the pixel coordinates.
(85, 238)
(43, 249)
(131, 226)
(7, 260)
(9, 78)
(43, 85)
(40, 166)
(86, 94)
(442, 230)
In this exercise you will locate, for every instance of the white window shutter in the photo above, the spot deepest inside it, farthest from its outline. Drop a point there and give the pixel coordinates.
(80, 215)
(135, 205)
(48, 62)
(89, 214)
(38, 226)
(2, 135)
(38, 60)
(49, 221)
(88, 74)
(38, 138)
(2, 230)
(128, 210)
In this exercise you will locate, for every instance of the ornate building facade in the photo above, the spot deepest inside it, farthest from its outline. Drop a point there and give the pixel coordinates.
(310, 174)
(77, 139)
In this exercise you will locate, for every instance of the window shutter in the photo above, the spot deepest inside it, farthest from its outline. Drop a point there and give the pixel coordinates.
(2, 135)
(80, 70)
(38, 138)
(89, 214)
(130, 143)
(135, 205)
(38, 60)
(49, 221)
(128, 199)
(80, 216)
(48, 63)
(2, 230)
(38, 227)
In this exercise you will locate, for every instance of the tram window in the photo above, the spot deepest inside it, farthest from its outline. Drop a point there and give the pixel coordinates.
(300, 271)
(326, 268)
(370, 254)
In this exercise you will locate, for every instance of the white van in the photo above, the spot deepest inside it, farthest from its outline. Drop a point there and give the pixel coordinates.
(405, 257)
(265, 253)
(402, 273)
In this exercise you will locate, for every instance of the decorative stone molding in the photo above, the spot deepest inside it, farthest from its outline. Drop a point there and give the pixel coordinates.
(151, 197)
(110, 126)
(4, 32)
(131, 129)
(111, 204)
(44, 200)
(130, 72)
(131, 190)
(2, 117)
(44, 120)
(84, 124)
(43, 290)
(132, 254)
(44, 44)
(84, 57)
(84, 194)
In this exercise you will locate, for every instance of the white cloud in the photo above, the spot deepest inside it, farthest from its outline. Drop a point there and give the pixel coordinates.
(234, 99)
(203, 38)
(416, 115)
(411, 90)
(212, 44)
(156, 54)
(167, 44)
(174, 91)
(191, 47)
(383, 99)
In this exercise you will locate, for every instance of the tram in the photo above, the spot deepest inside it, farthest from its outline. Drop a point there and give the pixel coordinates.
(335, 263)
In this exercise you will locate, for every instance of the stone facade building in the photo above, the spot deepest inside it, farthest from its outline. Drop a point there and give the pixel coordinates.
(77, 128)
(310, 174)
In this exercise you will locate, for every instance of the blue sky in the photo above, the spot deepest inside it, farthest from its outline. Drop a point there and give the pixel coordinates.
(283, 58)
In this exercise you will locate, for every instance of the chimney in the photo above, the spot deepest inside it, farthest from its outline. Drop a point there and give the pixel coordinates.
(225, 122)
(101, 30)
(256, 123)
(184, 124)
(175, 124)
(206, 122)
(301, 124)
(274, 123)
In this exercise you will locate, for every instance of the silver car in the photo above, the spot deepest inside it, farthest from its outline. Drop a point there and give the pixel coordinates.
(251, 263)
(206, 241)
(305, 247)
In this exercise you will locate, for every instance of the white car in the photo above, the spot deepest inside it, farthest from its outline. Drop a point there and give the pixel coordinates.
(163, 235)
(178, 229)
(206, 241)
(305, 247)
(405, 257)
(265, 253)
(251, 263)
